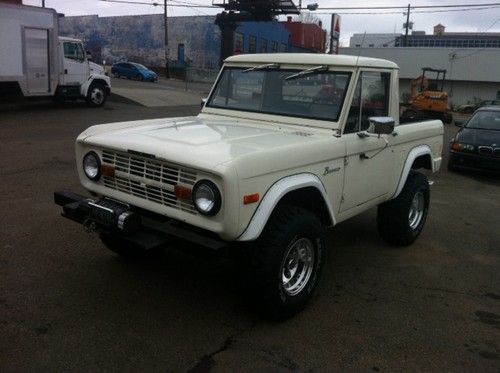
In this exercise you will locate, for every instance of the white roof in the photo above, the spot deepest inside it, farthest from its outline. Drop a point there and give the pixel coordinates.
(312, 59)
(65, 38)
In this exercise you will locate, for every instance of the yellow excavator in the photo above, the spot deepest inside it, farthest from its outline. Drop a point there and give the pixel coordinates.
(428, 98)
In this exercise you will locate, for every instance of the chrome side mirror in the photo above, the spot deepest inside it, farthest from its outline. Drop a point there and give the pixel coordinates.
(381, 125)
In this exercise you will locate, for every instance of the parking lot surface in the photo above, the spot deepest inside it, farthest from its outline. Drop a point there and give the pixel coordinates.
(68, 304)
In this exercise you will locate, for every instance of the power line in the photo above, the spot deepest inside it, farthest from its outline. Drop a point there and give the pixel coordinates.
(412, 6)
(415, 12)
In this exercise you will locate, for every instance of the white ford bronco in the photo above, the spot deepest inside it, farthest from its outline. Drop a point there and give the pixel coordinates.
(285, 146)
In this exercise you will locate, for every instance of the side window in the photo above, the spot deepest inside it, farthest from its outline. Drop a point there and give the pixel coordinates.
(371, 99)
(73, 51)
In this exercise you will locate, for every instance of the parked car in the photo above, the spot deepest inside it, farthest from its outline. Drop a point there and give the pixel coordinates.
(469, 109)
(477, 143)
(131, 70)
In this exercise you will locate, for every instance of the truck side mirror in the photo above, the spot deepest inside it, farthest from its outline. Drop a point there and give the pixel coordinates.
(89, 56)
(203, 102)
(381, 125)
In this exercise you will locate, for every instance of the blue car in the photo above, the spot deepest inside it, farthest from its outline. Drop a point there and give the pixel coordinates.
(131, 70)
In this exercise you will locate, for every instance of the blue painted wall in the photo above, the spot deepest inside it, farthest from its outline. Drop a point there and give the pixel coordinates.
(141, 38)
(265, 31)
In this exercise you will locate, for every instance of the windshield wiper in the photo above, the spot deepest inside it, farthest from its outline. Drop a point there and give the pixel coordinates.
(263, 67)
(312, 70)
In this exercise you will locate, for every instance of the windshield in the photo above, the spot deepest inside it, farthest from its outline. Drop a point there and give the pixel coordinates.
(140, 67)
(318, 94)
(486, 120)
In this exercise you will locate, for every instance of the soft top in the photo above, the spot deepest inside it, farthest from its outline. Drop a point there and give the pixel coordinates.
(312, 59)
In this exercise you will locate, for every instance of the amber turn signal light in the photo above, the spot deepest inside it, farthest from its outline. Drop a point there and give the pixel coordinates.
(251, 198)
(107, 170)
(182, 192)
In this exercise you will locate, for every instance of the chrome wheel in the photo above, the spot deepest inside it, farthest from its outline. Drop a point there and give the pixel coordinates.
(297, 266)
(97, 96)
(416, 210)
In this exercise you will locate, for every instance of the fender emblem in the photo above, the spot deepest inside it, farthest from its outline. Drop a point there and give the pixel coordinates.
(329, 170)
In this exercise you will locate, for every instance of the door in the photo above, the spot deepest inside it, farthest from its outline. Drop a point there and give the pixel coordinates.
(370, 160)
(36, 44)
(75, 66)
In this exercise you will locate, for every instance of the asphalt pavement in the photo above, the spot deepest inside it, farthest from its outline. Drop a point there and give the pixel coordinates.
(68, 304)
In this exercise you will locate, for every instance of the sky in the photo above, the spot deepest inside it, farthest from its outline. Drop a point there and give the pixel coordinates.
(485, 20)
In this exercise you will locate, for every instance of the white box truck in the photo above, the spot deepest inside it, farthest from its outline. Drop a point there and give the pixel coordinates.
(35, 61)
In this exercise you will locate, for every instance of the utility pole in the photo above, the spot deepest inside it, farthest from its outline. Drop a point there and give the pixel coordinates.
(43, 3)
(165, 19)
(407, 25)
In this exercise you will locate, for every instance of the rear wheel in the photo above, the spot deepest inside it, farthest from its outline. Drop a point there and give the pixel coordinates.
(96, 95)
(283, 266)
(401, 220)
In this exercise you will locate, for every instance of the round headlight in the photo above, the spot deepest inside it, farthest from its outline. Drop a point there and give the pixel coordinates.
(206, 197)
(92, 166)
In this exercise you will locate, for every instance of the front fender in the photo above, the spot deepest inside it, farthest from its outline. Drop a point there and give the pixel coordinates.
(272, 197)
(96, 77)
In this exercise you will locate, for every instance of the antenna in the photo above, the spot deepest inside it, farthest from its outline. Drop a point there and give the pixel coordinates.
(359, 52)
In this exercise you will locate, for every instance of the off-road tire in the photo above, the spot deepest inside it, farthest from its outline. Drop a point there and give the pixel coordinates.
(126, 250)
(99, 89)
(393, 217)
(265, 260)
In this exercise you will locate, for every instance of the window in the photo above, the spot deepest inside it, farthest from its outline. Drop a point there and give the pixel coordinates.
(263, 45)
(73, 51)
(238, 43)
(252, 44)
(371, 99)
(274, 46)
(315, 96)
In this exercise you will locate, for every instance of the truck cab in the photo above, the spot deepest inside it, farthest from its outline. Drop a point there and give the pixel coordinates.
(77, 78)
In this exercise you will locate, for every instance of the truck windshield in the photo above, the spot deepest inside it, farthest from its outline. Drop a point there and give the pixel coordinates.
(318, 94)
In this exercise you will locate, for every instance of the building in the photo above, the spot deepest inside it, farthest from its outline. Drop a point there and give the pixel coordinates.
(438, 39)
(373, 40)
(473, 74)
(261, 37)
(306, 37)
(471, 60)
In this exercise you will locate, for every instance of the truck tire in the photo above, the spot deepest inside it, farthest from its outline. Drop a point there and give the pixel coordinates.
(96, 95)
(283, 266)
(124, 249)
(401, 220)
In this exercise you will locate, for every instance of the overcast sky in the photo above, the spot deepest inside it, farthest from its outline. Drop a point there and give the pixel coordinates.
(456, 21)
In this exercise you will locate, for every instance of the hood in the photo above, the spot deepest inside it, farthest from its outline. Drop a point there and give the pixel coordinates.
(479, 137)
(95, 68)
(198, 142)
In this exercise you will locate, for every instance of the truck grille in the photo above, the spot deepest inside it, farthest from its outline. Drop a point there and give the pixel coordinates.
(149, 179)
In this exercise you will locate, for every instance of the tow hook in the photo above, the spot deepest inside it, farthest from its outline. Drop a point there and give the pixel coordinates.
(89, 226)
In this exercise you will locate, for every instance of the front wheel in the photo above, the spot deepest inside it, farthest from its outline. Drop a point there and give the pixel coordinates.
(139, 77)
(401, 220)
(284, 264)
(96, 95)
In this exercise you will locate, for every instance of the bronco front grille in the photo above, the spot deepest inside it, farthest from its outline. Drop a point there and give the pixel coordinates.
(149, 179)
